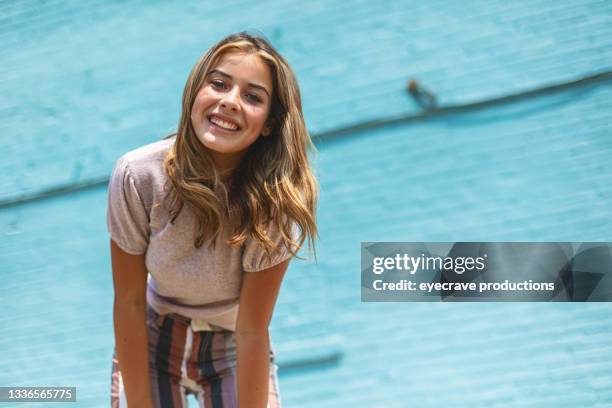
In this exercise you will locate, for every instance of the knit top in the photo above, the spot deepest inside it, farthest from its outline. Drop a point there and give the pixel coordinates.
(198, 283)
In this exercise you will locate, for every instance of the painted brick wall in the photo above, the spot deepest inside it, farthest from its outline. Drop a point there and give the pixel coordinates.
(83, 82)
(535, 171)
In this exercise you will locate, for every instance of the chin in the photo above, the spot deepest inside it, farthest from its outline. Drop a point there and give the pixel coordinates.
(211, 142)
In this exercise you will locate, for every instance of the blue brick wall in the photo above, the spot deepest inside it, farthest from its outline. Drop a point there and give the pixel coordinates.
(535, 171)
(83, 82)
(78, 74)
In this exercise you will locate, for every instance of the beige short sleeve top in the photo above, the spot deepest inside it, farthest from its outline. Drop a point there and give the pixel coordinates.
(199, 283)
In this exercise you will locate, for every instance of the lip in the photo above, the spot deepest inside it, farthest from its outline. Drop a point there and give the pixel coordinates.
(225, 119)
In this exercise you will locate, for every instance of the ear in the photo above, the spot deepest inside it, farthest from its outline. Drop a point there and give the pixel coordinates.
(267, 129)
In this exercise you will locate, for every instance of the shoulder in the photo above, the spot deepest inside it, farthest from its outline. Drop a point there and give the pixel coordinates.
(144, 161)
(143, 167)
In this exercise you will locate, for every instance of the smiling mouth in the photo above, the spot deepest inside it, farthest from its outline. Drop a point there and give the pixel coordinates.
(222, 124)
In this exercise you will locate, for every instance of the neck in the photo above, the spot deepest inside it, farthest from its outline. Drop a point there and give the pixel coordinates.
(226, 164)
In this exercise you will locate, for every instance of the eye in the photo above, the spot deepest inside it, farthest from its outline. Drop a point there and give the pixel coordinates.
(253, 98)
(217, 84)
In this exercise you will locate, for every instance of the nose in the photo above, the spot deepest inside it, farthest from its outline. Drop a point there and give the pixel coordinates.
(231, 99)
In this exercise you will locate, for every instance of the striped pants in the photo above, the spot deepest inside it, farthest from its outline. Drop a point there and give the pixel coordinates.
(183, 362)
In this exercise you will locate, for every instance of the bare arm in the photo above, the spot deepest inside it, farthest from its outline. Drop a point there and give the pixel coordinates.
(257, 299)
(129, 315)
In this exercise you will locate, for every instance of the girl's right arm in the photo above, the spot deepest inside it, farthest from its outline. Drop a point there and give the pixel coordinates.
(129, 316)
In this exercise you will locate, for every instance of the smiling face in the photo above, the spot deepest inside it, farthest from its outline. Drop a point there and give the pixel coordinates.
(231, 109)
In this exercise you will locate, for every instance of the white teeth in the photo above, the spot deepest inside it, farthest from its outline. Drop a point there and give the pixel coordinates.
(223, 124)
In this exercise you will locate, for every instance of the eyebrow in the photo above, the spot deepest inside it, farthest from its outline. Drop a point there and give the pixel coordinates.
(251, 84)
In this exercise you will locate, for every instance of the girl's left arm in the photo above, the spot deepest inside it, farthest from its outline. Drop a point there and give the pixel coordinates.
(258, 296)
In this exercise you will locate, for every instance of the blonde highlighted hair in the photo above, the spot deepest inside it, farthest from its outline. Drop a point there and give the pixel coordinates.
(272, 187)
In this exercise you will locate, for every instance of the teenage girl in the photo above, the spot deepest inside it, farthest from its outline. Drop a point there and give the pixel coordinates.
(203, 224)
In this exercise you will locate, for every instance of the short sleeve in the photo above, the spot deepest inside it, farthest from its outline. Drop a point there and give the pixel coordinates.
(255, 258)
(126, 218)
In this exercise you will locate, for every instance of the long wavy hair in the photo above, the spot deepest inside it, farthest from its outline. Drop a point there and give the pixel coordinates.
(272, 187)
